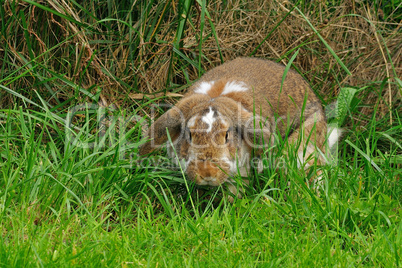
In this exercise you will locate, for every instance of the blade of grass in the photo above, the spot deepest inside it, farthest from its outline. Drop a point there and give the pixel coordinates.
(273, 29)
(325, 43)
(368, 158)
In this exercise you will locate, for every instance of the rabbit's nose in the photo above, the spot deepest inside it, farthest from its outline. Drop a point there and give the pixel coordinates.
(208, 161)
(205, 158)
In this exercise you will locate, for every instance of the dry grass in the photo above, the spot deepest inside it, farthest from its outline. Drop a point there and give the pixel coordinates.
(129, 56)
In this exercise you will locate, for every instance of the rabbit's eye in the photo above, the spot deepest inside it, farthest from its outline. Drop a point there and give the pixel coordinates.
(188, 134)
(227, 136)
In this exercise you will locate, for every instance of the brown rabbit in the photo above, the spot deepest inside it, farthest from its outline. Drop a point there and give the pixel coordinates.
(235, 108)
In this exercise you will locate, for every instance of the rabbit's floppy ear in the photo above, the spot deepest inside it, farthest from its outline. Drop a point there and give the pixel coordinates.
(256, 130)
(172, 121)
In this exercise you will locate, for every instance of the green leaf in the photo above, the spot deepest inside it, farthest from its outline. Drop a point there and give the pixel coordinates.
(345, 97)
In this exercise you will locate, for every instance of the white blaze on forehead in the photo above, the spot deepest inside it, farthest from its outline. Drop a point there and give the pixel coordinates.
(204, 87)
(209, 119)
(234, 86)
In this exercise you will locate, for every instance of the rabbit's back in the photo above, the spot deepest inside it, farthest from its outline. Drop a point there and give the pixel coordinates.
(258, 84)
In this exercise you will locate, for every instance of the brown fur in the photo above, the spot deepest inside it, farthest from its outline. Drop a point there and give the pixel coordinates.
(217, 88)
(266, 107)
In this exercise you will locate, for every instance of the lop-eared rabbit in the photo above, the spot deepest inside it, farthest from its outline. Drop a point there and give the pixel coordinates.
(235, 108)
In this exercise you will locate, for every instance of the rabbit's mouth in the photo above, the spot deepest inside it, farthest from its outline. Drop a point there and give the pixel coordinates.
(211, 181)
(208, 172)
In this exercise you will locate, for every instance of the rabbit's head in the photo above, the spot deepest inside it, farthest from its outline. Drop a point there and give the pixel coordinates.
(211, 131)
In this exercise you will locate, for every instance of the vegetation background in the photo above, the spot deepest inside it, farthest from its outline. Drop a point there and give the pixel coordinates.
(73, 73)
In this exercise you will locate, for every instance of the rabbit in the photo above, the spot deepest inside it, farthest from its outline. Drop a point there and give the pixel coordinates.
(234, 110)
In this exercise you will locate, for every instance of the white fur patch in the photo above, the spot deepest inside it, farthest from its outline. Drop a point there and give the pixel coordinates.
(334, 135)
(232, 165)
(184, 164)
(204, 87)
(208, 181)
(209, 119)
(300, 161)
(234, 86)
(302, 156)
(191, 122)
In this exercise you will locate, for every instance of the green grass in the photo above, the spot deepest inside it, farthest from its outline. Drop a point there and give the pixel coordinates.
(63, 205)
(74, 192)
